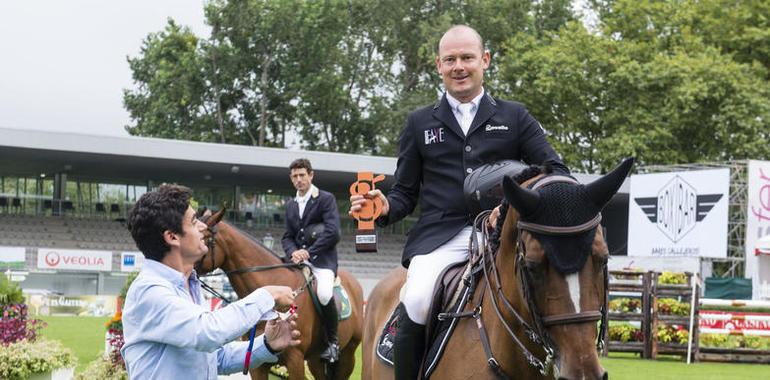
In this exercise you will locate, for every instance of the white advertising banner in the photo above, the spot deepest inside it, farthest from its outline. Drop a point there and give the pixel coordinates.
(131, 261)
(757, 226)
(12, 257)
(49, 258)
(679, 214)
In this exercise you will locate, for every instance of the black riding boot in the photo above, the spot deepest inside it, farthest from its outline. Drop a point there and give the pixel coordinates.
(409, 347)
(330, 319)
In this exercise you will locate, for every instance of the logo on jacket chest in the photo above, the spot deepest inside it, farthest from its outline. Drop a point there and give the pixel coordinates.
(434, 136)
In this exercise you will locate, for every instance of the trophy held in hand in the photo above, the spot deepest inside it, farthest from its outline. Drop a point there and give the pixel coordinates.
(366, 236)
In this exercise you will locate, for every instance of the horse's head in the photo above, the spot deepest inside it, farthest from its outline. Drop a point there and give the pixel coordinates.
(561, 261)
(211, 260)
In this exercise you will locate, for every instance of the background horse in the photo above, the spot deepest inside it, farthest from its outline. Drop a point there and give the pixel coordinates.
(540, 295)
(233, 249)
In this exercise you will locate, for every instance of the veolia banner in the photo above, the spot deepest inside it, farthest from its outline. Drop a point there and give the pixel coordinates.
(679, 214)
(49, 258)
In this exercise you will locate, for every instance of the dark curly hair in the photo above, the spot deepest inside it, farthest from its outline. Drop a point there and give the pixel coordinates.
(154, 213)
(301, 163)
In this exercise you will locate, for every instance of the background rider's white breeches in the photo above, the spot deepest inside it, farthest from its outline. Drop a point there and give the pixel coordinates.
(325, 284)
(424, 271)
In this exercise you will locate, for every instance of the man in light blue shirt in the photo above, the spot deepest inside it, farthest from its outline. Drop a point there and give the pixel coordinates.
(169, 332)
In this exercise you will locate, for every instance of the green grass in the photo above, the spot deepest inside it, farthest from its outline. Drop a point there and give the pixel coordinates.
(626, 366)
(85, 336)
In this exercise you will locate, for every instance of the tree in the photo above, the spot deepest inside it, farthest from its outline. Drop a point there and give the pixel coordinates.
(168, 101)
(601, 98)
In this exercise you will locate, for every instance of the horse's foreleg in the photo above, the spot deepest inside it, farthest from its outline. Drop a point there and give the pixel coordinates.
(347, 362)
(317, 368)
(260, 373)
(295, 364)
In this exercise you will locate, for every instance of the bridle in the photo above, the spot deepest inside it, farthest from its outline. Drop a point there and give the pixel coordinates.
(211, 243)
(537, 334)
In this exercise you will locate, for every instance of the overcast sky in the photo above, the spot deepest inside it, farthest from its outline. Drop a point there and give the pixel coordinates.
(63, 63)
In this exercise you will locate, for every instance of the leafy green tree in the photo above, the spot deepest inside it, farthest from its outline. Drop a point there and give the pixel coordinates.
(602, 98)
(168, 101)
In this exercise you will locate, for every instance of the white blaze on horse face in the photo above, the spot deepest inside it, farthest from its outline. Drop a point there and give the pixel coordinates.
(573, 281)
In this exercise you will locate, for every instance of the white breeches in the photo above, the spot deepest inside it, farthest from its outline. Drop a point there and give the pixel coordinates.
(324, 284)
(424, 271)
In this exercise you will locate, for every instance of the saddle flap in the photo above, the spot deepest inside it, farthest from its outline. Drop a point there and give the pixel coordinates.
(445, 293)
(451, 295)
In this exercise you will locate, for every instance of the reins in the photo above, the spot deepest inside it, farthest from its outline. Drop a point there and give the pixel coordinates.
(211, 243)
(483, 255)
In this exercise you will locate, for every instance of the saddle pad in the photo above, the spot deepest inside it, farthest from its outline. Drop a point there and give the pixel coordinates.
(342, 300)
(387, 339)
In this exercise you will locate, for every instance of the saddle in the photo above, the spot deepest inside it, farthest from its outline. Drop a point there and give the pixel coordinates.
(453, 289)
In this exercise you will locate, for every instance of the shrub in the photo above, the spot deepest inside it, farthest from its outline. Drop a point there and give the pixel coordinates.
(672, 334)
(671, 278)
(14, 325)
(21, 359)
(735, 341)
(626, 305)
(10, 292)
(670, 306)
(102, 369)
(624, 333)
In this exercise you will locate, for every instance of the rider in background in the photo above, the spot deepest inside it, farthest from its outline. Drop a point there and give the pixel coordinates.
(312, 233)
(440, 145)
(169, 331)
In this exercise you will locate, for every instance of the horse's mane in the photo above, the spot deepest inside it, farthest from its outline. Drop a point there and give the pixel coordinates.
(254, 240)
(531, 172)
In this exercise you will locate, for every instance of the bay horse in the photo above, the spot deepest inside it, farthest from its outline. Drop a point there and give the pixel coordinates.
(542, 288)
(250, 265)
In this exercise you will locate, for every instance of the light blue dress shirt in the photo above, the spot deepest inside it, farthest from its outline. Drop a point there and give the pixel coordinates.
(171, 334)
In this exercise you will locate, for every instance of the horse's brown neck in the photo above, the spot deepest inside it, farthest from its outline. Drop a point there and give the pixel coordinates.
(241, 252)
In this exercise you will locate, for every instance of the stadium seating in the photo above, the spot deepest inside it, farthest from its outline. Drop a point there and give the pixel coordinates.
(97, 233)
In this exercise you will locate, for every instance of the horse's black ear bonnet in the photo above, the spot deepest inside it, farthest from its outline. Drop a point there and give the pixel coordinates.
(564, 204)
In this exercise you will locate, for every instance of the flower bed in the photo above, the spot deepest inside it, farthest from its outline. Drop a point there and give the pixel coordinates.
(626, 305)
(624, 332)
(672, 278)
(21, 359)
(733, 341)
(670, 306)
(675, 334)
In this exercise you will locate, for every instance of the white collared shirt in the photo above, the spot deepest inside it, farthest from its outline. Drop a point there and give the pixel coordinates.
(455, 105)
(302, 199)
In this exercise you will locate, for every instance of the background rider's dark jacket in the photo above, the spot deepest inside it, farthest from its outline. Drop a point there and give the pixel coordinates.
(320, 208)
(435, 157)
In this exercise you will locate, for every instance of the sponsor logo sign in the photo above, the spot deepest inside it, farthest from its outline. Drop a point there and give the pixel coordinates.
(131, 261)
(758, 226)
(679, 214)
(738, 321)
(12, 257)
(48, 258)
(93, 306)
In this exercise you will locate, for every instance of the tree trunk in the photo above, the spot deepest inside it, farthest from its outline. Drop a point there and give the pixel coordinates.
(263, 101)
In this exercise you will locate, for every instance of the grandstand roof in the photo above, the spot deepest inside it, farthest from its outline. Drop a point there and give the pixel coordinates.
(129, 159)
(121, 159)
